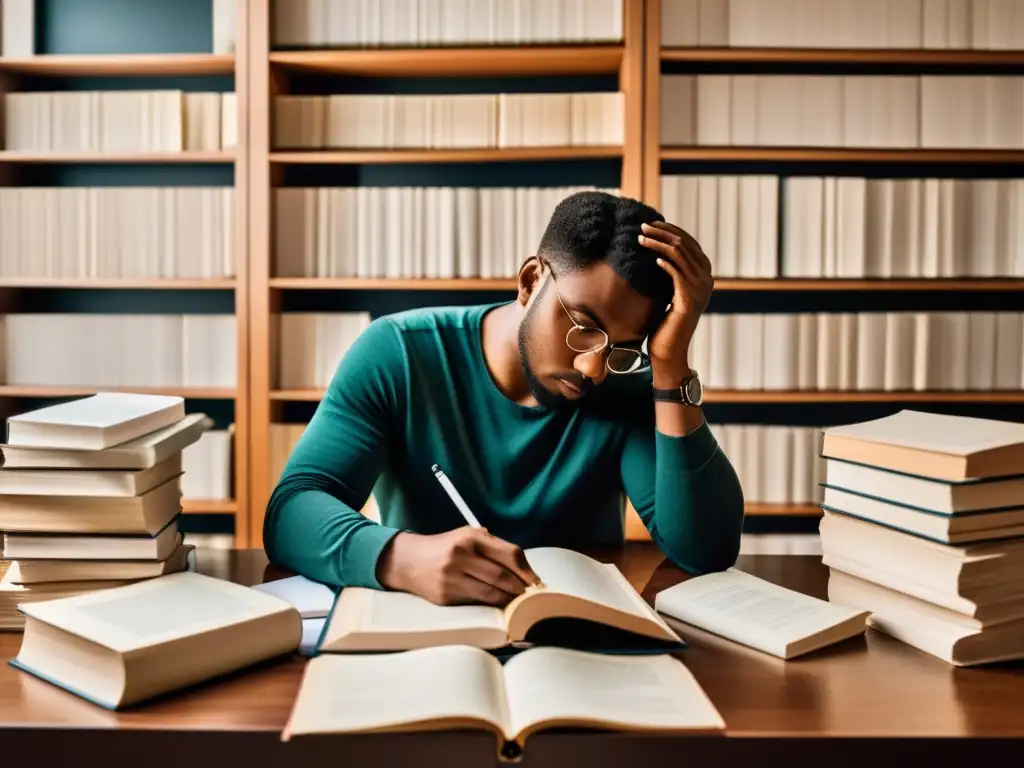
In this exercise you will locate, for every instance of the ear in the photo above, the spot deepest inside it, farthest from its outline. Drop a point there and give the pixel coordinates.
(530, 275)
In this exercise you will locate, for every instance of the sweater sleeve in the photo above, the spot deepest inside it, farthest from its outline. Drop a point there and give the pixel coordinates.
(313, 524)
(687, 494)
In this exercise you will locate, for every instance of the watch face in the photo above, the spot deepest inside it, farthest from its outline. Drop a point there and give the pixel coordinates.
(695, 391)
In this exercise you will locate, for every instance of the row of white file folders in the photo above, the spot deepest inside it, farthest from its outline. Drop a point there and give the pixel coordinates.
(904, 24)
(823, 351)
(831, 227)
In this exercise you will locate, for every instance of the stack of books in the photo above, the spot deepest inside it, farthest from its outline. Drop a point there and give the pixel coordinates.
(923, 526)
(90, 496)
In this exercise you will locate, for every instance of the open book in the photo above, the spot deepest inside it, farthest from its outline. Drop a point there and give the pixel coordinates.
(458, 686)
(583, 604)
(758, 614)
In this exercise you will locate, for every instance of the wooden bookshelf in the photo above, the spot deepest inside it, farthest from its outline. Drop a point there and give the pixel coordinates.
(18, 156)
(481, 155)
(48, 391)
(131, 64)
(844, 155)
(922, 57)
(438, 62)
(161, 283)
(314, 395)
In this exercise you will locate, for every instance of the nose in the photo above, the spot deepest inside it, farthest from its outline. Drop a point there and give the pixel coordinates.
(591, 365)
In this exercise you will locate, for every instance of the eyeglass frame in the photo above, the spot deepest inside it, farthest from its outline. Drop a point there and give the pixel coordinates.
(608, 347)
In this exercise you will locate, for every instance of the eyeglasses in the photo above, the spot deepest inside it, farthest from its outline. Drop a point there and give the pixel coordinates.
(583, 339)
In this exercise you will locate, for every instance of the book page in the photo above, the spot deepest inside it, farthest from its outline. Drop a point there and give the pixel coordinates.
(749, 610)
(573, 573)
(404, 612)
(549, 684)
(157, 610)
(312, 599)
(353, 693)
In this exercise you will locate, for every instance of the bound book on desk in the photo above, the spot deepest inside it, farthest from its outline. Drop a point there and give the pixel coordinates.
(124, 645)
(462, 687)
(584, 604)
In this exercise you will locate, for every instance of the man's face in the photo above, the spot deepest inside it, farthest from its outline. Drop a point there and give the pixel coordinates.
(596, 298)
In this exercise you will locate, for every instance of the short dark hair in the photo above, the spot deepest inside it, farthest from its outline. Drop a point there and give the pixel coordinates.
(591, 226)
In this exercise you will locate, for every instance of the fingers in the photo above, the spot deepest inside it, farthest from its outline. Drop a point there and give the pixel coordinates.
(495, 576)
(679, 265)
(672, 235)
(508, 555)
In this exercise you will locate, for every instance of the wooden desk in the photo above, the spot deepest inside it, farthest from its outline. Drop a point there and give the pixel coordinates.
(845, 705)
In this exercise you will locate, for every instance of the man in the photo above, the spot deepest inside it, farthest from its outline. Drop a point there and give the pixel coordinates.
(540, 411)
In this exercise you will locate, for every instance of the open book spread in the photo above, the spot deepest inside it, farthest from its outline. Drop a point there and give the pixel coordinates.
(756, 613)
(583, 604)
(458, 686)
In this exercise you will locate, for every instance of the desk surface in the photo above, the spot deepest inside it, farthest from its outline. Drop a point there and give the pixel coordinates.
(867, 687)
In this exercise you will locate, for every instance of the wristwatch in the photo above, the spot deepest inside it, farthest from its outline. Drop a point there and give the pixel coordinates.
(690, 393)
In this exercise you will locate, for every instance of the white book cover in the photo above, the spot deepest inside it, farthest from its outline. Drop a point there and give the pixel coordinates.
(99, 421)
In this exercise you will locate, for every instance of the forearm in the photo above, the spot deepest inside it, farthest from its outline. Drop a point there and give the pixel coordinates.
(698, 502)
(312, 532)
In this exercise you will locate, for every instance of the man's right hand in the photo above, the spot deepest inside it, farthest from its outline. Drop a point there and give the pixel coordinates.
(463, 566)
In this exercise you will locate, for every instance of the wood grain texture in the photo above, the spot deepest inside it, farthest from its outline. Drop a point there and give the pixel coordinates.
(25, 156)
(631, 83)
(840, 704)
(955, 58)
(50, 390)
(242, 442)
(260, 260)
(844, 154)
(482, 155)
(652, 102)
(128, 64)
(461, 62)
(126, 283)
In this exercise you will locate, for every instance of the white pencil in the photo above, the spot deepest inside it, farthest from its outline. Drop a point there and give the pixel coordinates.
(455, 497)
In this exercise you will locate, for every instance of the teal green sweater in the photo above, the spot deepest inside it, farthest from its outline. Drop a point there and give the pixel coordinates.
(414, 390)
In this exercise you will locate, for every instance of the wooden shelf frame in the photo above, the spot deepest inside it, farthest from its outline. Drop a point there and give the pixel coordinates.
(122, 283)
(121, 64)
(482, 61)
(895, 56)
(271, 73)
(15, 165)
(261, 73)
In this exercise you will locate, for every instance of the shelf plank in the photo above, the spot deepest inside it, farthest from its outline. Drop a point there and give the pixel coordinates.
(209, 506)
(924, 285)
(297, 395)
(757, 508)
(842, 56)
(463, 62)
(193, 284)
(129, 64)
(775, 396)
(24, 156)
(927, 285)
(814, 396)
(460, 155)
(47, 390)
(393, 284)
(843, 154)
